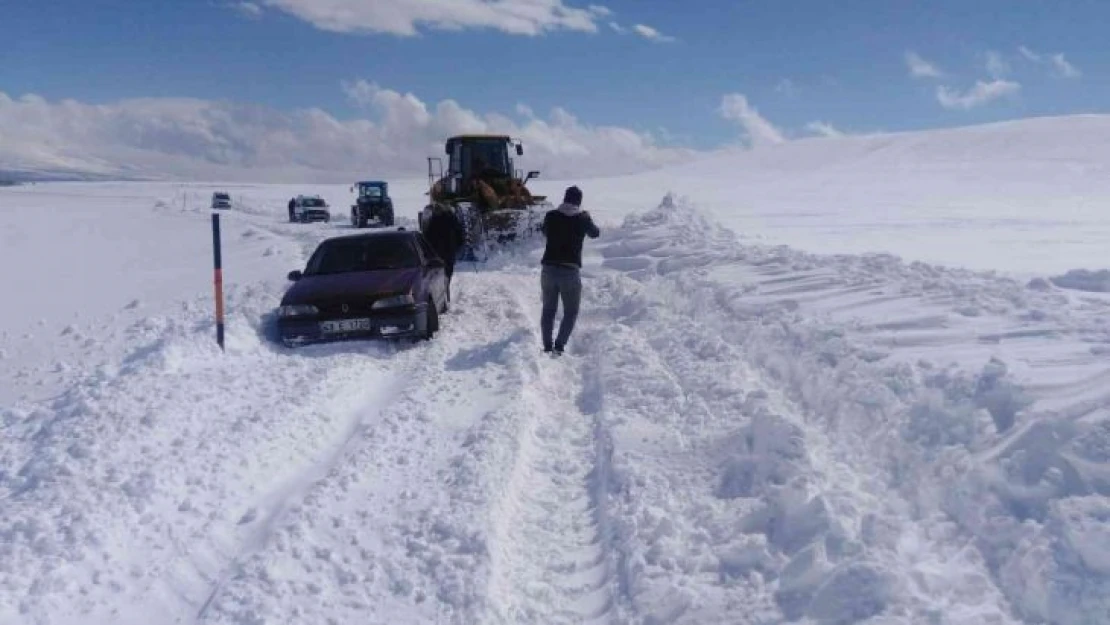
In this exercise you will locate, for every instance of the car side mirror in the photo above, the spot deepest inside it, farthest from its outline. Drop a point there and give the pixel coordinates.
(519, 150)
(295, 275)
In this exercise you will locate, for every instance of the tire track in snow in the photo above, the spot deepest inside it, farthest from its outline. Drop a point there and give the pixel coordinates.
(552, 561)
(263, 517)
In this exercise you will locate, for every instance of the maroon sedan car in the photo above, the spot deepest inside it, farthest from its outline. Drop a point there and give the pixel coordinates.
(379, 284)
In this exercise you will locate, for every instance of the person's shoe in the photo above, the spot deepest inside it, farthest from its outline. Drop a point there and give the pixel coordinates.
(547, 348)
(558, 350)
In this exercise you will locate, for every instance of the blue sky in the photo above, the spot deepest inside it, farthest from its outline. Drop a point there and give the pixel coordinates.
(841, 63)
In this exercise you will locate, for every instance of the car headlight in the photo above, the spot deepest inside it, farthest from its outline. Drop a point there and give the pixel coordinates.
(297, 310)
(394, 301)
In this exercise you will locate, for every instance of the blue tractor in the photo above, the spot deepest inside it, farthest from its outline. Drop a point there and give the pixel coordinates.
(373, 204)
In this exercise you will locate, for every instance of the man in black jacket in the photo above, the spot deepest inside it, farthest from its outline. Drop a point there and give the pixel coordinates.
(445, 234)
(565, 228)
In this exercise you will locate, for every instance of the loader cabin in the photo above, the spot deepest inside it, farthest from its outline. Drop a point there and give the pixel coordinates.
(471, 157)
(484, 155)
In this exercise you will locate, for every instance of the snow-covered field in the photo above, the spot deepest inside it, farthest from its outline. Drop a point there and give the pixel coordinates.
(743, 432)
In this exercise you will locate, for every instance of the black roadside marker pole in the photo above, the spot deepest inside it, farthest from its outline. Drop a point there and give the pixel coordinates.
(218, 279)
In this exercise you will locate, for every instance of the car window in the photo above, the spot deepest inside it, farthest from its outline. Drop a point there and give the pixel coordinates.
(363, 254)
(313, 203)
(373, 192)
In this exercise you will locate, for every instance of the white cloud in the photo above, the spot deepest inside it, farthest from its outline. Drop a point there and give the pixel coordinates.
(1030, 55)
(524, 110)
(408, 17)
(248, 9)
(996, 64)
(647, 32)
(735, 108)
(617, 27)
(192, 138)
(823, 129)
(1065, 68)
(786, 87)
(920, 68)
(982, 93)
(1059, 64)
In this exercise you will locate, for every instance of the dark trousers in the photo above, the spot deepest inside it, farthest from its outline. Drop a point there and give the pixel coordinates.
(448, 271)
(559, 283)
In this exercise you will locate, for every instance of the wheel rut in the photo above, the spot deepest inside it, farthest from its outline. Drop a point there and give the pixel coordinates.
(552, 561)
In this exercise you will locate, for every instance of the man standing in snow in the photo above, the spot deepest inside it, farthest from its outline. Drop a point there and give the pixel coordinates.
(565, 228)
(445, 234)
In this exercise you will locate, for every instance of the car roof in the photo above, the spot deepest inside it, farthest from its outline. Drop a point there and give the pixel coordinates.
(371, 182)
(377, 234)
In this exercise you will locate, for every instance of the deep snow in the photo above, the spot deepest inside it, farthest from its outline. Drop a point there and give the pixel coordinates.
(741, 432)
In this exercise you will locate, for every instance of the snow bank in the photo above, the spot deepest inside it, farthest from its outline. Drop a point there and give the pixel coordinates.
(870, 471)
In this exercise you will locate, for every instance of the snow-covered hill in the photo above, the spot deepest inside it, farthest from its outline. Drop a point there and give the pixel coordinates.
(1029, 196)
(743, 432)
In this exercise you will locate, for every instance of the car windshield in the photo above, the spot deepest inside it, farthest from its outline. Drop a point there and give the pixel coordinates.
(371, 192)
(221, 196)
(363, 254)
(312, 202)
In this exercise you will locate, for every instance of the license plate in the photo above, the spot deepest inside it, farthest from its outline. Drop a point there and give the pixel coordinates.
(345, 325)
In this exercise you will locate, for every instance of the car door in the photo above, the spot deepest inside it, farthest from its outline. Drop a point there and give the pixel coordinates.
(433, 274)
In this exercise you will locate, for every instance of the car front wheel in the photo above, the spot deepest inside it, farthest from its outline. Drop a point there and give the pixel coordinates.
(431, 322)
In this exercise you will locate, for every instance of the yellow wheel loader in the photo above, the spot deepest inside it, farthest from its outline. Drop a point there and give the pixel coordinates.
(485, 191)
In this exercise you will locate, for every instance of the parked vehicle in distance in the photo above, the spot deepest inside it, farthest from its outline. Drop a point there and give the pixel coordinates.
(308, 208)
(221, 199)
(381, 284)
(372, 204)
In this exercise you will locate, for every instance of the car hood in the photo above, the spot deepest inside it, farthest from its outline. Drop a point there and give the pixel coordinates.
(313, 289)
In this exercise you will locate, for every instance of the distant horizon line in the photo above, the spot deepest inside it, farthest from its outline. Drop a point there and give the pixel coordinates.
(10, 175)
